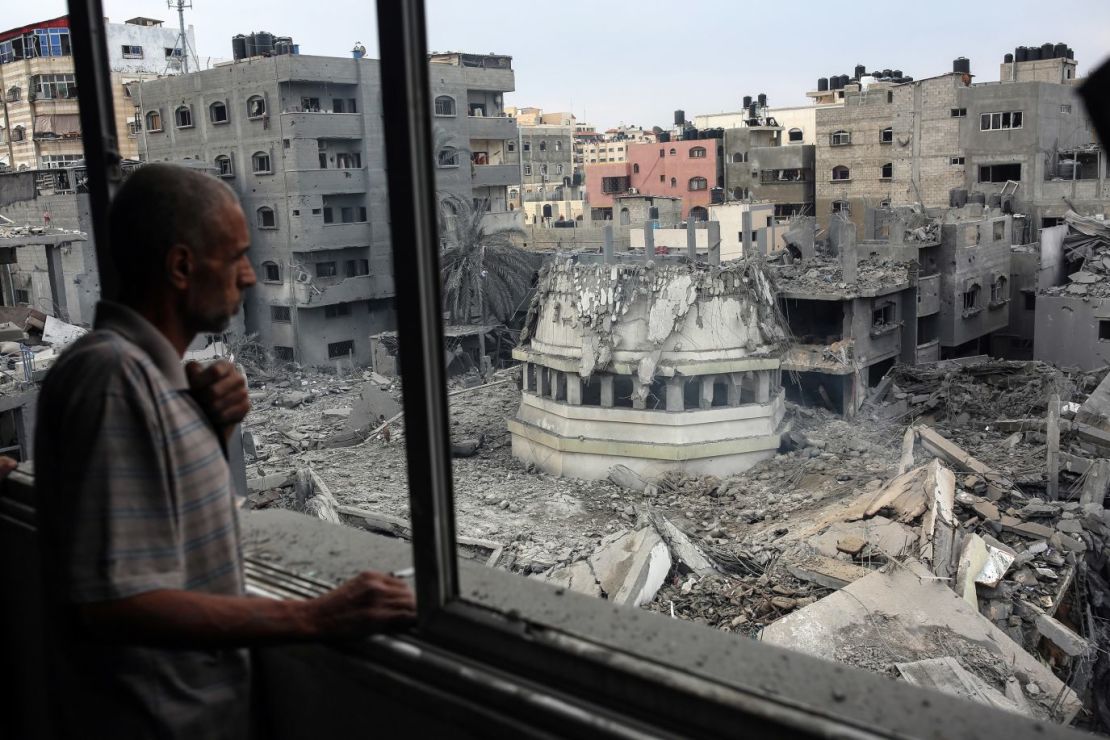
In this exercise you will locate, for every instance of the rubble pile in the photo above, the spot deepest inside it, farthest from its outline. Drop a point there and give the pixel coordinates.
(1087, 256)
(825, 275)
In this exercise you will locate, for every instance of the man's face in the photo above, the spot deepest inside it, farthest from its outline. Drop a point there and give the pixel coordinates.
(221, 274)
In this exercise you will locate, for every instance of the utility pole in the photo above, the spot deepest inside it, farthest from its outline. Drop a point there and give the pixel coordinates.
(183, 40)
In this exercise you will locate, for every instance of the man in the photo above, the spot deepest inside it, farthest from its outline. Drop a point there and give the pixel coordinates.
(138, 523)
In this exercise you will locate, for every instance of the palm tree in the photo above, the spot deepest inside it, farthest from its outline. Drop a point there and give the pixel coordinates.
(482, 269)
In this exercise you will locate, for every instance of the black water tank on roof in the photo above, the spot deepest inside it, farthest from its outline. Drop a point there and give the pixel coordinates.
(751, 110)
(238, 47)
(980, 198)
(1021, 54)
(748, 98)
(664, 137)
(961, 65)
(957, 197)
(1046, 50)
(860, 71)
(887, 74)
(822, 84)
(994, 200)
(1071, 53)
(679, 117)
(834, 82)
(264, 42)
(1033, 54)
(897, 73)
(907, 79)
(1008, 59)
(762, 98)
(1060, 51)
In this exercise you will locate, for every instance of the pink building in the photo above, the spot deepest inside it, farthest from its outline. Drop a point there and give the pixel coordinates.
(678, 169)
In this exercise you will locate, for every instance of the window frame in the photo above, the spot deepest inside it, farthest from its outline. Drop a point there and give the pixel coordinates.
(188, 110)
(559, 677)
(261, 114)
(841, 168)
(212, 113)
(840, 137)
(219, 162)
(146, 121)
(260, 219)
(886, 135)
(269, 163)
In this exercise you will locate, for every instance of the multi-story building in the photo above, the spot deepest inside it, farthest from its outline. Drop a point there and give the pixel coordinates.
(691, 169)
(40, 126)
(761, 163)
(300, 139)
(547, 162)
(1023, 140)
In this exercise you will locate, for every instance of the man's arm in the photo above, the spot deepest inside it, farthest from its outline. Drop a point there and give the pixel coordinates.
(368, 603)
(221, 391)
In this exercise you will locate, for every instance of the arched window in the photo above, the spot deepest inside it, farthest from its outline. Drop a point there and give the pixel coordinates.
(14, 93)
(547, 210)
(884, 203)
(543, 146)
(673, 151)
(271, 272)
(558, 146)
(697, 213)
(840, 172)
(217, 112)
(698, 183)
(635, 169)
(697, 152)
(737, 157)
(256, 106)
(886, 136)
(260, 163)
(18, 133)
(447, 158)
(266, 218)
(841, 206)
(625, 217)
(558, 169)
(998, 290)
(153, 121)
(445, 106)
(224, 166)
(840, 138)
(674, 182)
(887, 171)
(794, 136)
(183, 116)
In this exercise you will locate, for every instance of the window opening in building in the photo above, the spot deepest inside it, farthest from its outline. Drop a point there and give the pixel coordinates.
(840, 138)
(886, 172)
(266, 218)
(956, 161)
(355, 268)
(325, 269)
(971, 297)
(1103, 328)
(448, 158)
(698, 183)
(673, 151)
(840, 172)
(281, 314)
(886, 136)
(1000, 121)
(794, 136)
(445, 106)
(959, 112)
(183, 117)
(260, 163)
(256, 106)
(217, 112)
(283, 354)
(841, 206)
(1000, 172)
(337, 310)
(224, 166)
(132, 52)
(153, 121)
(339, 350)
(697, 152)
(271, 273)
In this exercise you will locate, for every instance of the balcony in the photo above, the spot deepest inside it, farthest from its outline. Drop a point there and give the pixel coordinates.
(496, 175)
(314, 235)
(323, 125)
(498, 128)
(329, 181)
(346, 290)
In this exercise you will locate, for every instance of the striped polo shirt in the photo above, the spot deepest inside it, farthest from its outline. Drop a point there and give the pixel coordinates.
(135, 495)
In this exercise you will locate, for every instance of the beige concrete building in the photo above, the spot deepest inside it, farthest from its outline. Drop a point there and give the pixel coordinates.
(39, 120)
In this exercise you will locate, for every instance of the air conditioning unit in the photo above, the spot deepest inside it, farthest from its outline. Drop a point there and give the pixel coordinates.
(633, 191)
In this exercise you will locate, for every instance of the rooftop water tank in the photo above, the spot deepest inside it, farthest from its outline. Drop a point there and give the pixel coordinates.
(822, 84)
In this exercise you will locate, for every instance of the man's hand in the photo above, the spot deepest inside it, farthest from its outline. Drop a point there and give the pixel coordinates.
(221, 391)
(369, 602)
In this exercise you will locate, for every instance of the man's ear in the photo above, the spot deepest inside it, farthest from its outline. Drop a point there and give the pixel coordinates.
(179, 266)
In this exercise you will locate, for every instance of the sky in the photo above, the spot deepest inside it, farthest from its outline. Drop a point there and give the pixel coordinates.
(636, 63)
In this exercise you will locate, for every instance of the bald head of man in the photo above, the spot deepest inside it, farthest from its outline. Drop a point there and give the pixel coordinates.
(179, 242)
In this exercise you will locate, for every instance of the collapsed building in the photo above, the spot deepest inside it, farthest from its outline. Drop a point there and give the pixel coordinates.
(654, 365)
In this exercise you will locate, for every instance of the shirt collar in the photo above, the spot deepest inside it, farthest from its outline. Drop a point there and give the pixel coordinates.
(131, 325)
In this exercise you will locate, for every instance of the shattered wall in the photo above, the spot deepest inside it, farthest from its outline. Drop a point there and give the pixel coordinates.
(973, 253)
(1067, 332)
(652, 365)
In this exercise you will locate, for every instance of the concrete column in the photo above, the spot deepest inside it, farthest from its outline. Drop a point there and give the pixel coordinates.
(763, 386)
(691, 241)
(849, 266)
(607, 391)
(649, 242)
(734, 382)
(676, 396)
(543, 383)
(714, 242)
(574, 389)
(746, 232)
(1052, 437)
(705, 398)
(553, 383)
(638, 403)
(526, 369)
(607, 244)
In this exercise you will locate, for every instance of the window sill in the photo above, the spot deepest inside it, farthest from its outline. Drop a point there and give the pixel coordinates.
(257, 118)
(846, 179)
(267, 228)
(888, 143)
(219, 123)
(885, 329)
(969, 312)
(446, 115)
(263, 172)
(229, 176)
(272, 282)
(998, 304)
(155, 131)
(180, 128)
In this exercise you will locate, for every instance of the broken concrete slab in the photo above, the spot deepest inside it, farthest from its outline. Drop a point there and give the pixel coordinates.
(342, 412)
(916, 617)
(980, 563)
(578, 577)
(266, 482)
(627, 478)
(632, 566)
(292, 400)
(1060, 634)
(1029, 530)
(947, 675)
(826, 572)
(986, 511)
(683, 549)
(939, 523)
(890, 538)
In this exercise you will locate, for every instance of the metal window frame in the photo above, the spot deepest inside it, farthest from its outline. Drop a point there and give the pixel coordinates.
(540, 676)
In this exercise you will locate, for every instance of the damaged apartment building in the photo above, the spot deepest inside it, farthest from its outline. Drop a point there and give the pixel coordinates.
(914, 289)
(300, 140)
(1022, 142)
(654, 366)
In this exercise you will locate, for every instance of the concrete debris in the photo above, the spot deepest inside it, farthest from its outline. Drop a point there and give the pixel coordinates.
(627, 478)
(947, 675)
(826, 572)
(904, 616)
(578, 577)
(631, 566)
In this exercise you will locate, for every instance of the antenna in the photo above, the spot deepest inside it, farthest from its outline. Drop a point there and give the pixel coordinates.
(182, 39)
